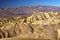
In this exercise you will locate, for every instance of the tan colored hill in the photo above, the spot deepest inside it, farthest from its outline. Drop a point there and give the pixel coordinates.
(40, 25)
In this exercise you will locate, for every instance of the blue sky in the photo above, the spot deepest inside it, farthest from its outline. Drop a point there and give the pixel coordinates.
(17, 3)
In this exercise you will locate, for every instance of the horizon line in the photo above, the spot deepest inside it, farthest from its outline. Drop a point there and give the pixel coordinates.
(27, 6)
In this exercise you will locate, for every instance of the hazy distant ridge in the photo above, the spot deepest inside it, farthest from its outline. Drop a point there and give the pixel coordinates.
(25, 10)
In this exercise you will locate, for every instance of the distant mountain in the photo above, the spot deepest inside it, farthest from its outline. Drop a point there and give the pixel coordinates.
(25, 10)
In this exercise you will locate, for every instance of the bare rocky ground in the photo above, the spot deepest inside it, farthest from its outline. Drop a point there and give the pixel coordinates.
(38, 26)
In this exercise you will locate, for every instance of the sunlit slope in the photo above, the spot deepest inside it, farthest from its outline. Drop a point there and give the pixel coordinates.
(40, 25)
(44, 18)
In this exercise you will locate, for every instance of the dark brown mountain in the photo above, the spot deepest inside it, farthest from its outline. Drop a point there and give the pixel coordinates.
(25, 10)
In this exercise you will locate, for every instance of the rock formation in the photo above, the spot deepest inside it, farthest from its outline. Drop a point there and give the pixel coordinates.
(43, 25)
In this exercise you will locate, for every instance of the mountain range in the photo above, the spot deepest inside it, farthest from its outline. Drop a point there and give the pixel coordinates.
(25, 10)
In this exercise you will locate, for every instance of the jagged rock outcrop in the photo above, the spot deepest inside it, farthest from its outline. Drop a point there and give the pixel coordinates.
(41, 25)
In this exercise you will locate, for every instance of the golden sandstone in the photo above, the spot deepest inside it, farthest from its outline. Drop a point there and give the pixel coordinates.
(43, 25)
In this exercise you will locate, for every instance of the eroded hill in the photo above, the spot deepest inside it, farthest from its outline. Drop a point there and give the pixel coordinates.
(41, 25)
